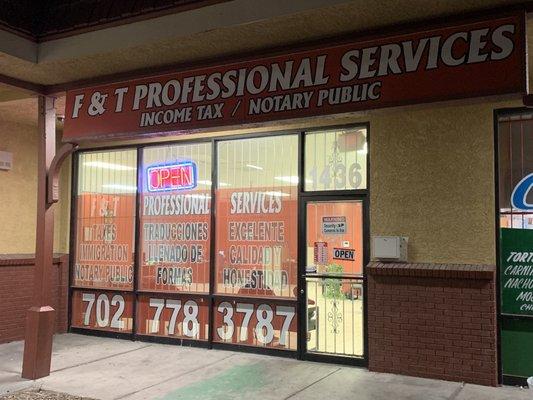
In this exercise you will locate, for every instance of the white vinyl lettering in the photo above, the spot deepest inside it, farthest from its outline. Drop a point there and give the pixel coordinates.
(503, 42)
(78, 101)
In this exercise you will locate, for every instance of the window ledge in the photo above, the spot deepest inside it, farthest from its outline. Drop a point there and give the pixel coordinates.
(426, 270)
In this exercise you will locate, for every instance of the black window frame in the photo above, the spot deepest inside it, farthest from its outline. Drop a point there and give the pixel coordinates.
(303, 196)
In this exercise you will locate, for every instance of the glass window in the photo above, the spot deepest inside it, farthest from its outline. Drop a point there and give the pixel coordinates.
(256, 241)
(105, 241)
(105, 220)
(175, 218)
(256, 238)
(515, 159)
(256, 250)
(336, 159)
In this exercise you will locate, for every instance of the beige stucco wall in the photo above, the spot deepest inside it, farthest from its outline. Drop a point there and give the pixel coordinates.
(18, 187)
(432, 179)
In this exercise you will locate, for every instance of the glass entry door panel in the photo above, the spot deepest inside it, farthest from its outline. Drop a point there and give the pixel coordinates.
(334, 278)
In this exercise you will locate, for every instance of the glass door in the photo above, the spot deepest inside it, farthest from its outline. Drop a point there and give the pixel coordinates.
(333, 282)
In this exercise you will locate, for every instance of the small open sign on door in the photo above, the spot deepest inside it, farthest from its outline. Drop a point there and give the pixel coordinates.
(344, 254)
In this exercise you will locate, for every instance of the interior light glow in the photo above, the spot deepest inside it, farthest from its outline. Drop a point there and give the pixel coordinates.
(127, 188)
(106, 165)
(278, 194)
(208, 183)
(364, 150)
(289, 179)
(254, 167)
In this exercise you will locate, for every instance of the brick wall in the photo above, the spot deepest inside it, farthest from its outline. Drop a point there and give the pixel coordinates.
(433, 321)
(16, 286)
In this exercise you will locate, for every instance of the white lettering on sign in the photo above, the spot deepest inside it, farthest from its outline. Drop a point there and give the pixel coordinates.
(255, 203)
(344, 254)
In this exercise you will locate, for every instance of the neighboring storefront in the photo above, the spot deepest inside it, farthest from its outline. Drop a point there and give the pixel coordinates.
(261, 241)
(515, 199)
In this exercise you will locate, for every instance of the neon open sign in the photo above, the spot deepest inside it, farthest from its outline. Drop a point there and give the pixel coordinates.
(179, 176)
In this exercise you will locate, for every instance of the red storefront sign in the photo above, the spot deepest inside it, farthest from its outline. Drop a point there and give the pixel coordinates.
(480, 58)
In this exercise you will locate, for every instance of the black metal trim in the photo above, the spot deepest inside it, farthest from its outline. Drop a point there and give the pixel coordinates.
(366, 241)
(99, 289)
(212, 243)
(300, 299)
(145, 142)
(137, 237)
(204, 344)
(101, 333)
(336, 359)
(348, 193)
(269, 351)
(512, 380)
(254, 299)
(497, 244)
(72, 232)
(195, 295)
(301, 290)
(326, 275)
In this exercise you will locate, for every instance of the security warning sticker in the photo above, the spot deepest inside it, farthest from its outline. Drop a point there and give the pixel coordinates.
(334, 225)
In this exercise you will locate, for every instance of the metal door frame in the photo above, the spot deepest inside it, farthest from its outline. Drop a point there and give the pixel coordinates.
(302, 292)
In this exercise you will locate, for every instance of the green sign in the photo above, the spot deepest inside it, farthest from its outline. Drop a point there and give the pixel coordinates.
(516, 271)
(517, 346)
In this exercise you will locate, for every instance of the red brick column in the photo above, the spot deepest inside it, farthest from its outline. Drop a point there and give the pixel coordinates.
(433, 321)
(16, 284)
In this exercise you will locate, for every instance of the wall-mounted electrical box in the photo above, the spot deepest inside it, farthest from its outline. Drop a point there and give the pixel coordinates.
(389, 248)
(6, 160)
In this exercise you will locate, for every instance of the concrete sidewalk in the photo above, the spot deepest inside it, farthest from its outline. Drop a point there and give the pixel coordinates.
(102, 368)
